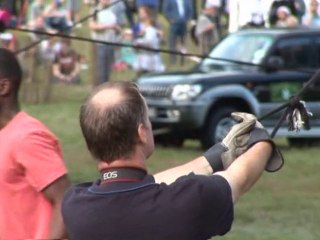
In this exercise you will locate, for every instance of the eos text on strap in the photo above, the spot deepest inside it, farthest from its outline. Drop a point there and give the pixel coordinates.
(122, 175)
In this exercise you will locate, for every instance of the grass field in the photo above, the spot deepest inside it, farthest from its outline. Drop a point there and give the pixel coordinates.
(282, 206)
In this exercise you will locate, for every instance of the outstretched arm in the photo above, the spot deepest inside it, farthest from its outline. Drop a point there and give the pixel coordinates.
(247, 169)
(199, 166)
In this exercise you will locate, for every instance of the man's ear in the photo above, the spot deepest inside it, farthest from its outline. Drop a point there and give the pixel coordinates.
(142, 132)
(5, 86)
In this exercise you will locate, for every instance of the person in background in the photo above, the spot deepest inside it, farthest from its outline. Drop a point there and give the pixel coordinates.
(9, 41)
(73, 15)
(285, 18)
(273, 15)
(119, 9)
(37, 61)
(150, 37)
(56, 16)
(178, 13)
(104, 27)
(248, 13)
(301, 9)
(36, 9)
(153, 5)
(66, 65)
(207, 28)
(312, 17)
(16, 10)
(33, 175)
(127, 54)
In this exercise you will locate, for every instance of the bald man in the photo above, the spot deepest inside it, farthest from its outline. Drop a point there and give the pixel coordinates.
(191, 201)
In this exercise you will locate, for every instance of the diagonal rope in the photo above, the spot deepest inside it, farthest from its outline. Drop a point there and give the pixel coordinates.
(288, 105)
(149, 49)
(292, 103)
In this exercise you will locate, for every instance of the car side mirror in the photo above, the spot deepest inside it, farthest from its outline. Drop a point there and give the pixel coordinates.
(274, 63)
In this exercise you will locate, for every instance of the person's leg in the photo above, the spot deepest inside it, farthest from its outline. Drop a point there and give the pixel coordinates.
(109, 61)
(182, 40)
(173, 42)
(100, 64)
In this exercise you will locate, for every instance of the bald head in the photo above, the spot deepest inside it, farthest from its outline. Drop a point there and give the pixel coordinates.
(110, 118)
(107, 98)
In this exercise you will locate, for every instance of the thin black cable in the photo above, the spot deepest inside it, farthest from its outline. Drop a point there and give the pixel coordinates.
(66, 29)
(278, 125)
(291, 103)
(313, 79)
(149, 49)
(286, 105)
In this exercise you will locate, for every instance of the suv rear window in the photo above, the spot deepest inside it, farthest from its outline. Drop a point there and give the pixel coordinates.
(241, 47)
(296, 52)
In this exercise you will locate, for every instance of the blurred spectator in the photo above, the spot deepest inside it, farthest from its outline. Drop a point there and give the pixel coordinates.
(73, 7)
(11, 6)
(152, 4)
(47, 48)
(8, 40)
(5, 17)
(36, 9)
(207, 25)
(66, 66)
(178, 13)
(312, 17)
(104, 28)
(119, 9)
(285, 18)
(300, 6)
(37, 61)
(148, 61)
(56, 16)
(213, 9)
(247, 13)
(273, 16)
(127, 54)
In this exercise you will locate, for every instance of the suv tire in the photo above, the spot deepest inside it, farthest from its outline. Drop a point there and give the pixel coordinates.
(217, 126)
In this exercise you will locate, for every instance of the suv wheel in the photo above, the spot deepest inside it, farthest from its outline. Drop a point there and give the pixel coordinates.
(217, 127)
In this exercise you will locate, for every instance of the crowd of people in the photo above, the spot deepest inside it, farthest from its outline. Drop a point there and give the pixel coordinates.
(139, 23)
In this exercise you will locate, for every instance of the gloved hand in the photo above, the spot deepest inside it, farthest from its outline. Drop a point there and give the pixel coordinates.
(241, 137)
(258, 134)
(221, 155)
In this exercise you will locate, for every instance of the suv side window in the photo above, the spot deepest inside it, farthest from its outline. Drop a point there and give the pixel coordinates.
(296, 52)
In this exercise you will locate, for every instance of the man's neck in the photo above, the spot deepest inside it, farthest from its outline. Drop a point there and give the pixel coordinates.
(135, 161)
(7, 114)
(120, 163)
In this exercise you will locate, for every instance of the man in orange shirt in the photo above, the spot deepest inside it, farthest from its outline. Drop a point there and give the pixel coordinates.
(33, 176)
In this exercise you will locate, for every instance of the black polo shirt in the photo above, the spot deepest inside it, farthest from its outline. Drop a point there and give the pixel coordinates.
(194, 207)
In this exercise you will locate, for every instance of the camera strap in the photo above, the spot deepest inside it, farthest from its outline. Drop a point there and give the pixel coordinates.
(122, 175)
